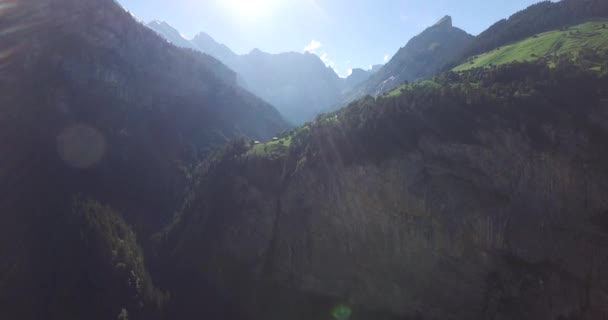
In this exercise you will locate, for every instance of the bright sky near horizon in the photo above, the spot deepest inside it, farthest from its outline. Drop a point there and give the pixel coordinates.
(346, 34)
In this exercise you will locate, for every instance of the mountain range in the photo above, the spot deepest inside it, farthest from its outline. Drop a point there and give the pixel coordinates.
(148, 177)
(286, 80)
(298, 84)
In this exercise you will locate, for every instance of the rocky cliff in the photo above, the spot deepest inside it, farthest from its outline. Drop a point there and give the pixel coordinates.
(438, 206)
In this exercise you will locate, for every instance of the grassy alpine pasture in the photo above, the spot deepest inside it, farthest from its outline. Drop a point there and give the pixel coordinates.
(572, 40)
(272, 148)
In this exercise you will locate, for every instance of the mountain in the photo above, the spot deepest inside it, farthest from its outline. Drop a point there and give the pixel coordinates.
(171, 34)
(359, 76)
(205, 43)
(538, 18)
(299, 85)
(421, 58)
(101, 120)
(375, 68)
(133, 187)
(579, 41)
(478, 195)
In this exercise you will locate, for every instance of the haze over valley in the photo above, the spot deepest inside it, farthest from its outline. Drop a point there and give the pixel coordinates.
(418, 160)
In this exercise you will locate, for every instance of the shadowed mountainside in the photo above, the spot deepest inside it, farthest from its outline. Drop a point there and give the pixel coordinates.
(97, 105)
(471, 195)
(479, 196)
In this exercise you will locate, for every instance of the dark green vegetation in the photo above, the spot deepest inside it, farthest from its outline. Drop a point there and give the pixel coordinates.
(472, 195)
(488, 182)
(93, 103)
(588, 41)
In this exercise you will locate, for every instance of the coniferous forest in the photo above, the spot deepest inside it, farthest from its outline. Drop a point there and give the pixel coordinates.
(142, 180)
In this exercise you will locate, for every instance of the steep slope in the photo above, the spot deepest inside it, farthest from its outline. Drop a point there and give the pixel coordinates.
(299, 85)
(538, 18)
(479, 197)
(171, 34)
(359, 76)
(95, 104)
(201, 42)
(205, 43)
(580, 41)
(421, 58)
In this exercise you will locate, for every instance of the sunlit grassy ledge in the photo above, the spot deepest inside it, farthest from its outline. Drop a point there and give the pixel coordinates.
(590, 35)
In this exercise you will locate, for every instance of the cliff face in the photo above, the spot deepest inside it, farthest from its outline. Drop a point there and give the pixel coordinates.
(425, 231)
(508, 222)
(456, 229)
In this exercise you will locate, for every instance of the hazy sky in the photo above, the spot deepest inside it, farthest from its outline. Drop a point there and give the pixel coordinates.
(345, 33)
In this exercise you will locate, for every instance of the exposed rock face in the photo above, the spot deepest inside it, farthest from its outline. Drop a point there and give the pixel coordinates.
(453, 231)
(445, 22)
(510, 224)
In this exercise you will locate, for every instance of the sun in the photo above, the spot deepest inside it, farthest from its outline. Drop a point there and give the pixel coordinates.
(250, 9)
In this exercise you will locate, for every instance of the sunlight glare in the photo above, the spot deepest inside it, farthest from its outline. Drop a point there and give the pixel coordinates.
(249, 9)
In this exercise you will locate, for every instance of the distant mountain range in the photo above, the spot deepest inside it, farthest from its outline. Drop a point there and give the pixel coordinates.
(300, 86)
(297, 84)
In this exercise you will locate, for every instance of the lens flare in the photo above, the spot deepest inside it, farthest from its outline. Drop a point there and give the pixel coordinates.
(81, 146)
(341, 312)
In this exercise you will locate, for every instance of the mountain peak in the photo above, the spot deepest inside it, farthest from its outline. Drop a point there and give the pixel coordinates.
(157, 22)
(203, 36)
(444, 22)
(256, 51)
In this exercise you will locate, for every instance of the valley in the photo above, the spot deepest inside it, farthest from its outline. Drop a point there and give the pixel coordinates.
(149, 176)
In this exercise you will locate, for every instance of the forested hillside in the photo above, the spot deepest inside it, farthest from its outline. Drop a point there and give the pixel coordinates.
(134, 184)
(477, 195)
(98, 107)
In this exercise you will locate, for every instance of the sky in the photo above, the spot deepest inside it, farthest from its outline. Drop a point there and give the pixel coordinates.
(346, 34)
